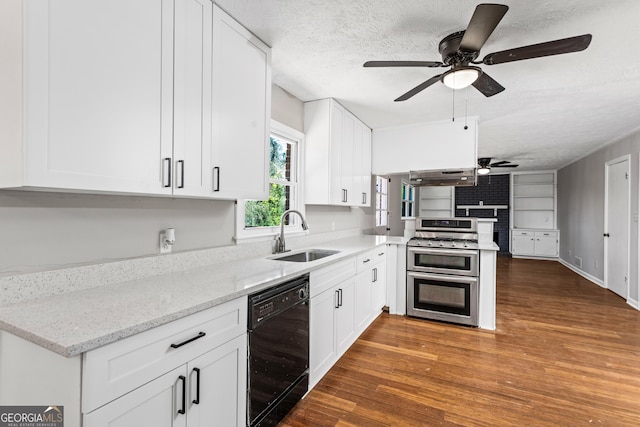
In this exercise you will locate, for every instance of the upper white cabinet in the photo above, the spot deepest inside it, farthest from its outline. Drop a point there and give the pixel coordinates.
(117, 97)
(423, 146)
(241, 111)
(338, 156)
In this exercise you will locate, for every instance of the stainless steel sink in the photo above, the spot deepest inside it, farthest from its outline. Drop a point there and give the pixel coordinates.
(306, 256)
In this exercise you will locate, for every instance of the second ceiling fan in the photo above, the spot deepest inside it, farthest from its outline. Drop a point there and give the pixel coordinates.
(460, 50)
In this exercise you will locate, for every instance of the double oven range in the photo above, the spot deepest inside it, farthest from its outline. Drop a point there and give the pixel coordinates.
(443, 270)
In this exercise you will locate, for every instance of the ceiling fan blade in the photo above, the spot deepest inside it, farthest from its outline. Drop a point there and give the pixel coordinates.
(422, 86)
(402, 64)
(487, 86)
(485, 19)
(504, 166)
(555, 47)
(501, 162)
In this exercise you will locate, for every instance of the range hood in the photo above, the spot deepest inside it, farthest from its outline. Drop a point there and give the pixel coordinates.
(445, 177)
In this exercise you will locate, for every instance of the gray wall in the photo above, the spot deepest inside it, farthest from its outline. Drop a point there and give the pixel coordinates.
(396, 224)
(43, 231)
(581, 191)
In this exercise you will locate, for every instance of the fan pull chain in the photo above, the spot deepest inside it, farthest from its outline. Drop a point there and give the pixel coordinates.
(453, 105)
(466, 101)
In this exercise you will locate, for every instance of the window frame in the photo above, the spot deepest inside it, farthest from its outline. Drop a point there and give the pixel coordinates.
(376, 210)
(248, 235)
(407, 203)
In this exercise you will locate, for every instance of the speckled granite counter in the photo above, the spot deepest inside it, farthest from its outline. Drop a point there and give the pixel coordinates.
(75, 322)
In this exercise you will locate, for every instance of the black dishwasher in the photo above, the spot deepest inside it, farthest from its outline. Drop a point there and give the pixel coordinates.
(278, 363)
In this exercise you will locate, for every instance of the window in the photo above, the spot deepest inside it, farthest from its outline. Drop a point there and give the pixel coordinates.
(408, 197)
(382, 186)
(255, 218)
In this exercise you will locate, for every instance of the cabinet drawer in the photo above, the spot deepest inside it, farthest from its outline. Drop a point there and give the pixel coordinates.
(115, 369)
(324, 278)
(523, 233)
(369, 258)
(546, 234)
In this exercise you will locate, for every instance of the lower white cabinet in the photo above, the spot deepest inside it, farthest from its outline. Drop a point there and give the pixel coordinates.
(345, 298)
(538, 243)
(371, 287)
(331, 327)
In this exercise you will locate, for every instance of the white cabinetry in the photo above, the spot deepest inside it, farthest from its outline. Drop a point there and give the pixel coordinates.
(535, 243)
(331, 322)
(437, 202)
(125, 380)
(371, 287)
(241, 111)
(533, 214)
(338, 156)
(117, 97)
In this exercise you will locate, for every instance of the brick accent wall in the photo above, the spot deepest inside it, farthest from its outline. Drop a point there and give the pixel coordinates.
(491, 190)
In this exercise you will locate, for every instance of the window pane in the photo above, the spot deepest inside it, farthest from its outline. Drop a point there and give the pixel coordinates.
(280, 165)
(268, 212)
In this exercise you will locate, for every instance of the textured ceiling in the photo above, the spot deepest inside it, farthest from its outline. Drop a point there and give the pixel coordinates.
(554, 110)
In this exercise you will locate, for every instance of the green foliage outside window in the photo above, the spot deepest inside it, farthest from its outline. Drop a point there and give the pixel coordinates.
(267, 213)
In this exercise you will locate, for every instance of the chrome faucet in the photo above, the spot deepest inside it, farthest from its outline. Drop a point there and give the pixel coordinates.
(280, 246)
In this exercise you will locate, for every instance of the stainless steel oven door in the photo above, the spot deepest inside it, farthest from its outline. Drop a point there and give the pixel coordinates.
(446, 261)
(441, 297)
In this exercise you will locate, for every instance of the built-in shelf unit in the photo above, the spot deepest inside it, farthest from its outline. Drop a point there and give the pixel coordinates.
(534, 213)
(438, 202)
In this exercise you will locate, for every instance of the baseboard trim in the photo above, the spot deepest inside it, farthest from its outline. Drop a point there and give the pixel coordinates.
(584, 274)
(633, 303)
(543, 258)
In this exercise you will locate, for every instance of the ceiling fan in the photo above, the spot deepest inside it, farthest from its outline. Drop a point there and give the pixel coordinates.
(461, 49)
(485, 165)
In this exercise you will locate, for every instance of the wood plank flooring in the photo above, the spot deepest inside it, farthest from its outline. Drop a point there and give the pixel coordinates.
(565, 353)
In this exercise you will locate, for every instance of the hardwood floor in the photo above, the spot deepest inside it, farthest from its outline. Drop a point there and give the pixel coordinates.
(565, 353)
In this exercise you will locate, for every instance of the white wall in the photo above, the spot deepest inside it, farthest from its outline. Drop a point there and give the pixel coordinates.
(581, 190)
(42, 231)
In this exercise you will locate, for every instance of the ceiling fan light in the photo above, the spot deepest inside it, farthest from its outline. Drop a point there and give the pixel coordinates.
(459, 78)
(483, 170)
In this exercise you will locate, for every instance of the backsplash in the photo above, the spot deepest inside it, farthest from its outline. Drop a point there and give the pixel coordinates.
(491, 190)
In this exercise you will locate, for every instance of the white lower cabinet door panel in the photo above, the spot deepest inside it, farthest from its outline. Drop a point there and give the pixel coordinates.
(363, 300)
(331, 327)
(217, 380)
(155, 404)
(322, 326)
(379, 288)
(345, 325)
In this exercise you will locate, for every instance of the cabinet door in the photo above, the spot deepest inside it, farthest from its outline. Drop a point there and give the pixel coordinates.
(347, 172)
(345, 316)
(154, 404)
(379, 288)
(217, 386)
(98, 78)
(363, 300)
(546, 245)
(337, 195)
(523, 244)
(241, 111)
(322, 350)
(192, 98)
(365, 164)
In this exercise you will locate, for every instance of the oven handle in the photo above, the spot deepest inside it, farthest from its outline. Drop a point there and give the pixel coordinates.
(420, 250)
(443, 277)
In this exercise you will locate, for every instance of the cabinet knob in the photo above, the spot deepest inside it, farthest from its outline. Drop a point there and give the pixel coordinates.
(606, 235)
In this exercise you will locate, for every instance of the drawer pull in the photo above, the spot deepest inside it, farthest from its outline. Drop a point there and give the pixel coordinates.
(184, 395)
(366, 261)
(200, 335)
(381, 253)
(196, 401)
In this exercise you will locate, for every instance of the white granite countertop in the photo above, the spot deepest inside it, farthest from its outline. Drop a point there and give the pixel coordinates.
(75, 322)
